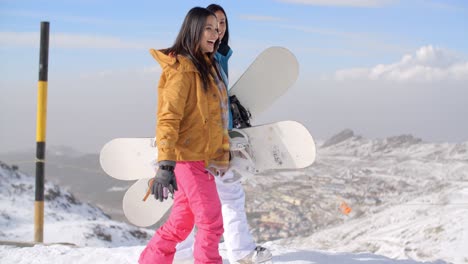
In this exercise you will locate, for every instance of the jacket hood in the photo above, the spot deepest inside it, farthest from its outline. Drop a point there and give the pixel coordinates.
(178, 62)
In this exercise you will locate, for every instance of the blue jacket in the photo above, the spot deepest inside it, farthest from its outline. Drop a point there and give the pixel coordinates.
(223, 62)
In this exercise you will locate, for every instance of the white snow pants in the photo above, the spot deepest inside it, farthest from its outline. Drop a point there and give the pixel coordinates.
(237, 238)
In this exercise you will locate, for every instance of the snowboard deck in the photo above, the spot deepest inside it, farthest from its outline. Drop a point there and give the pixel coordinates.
(129, 158)
(280, 145)
(275, 146)
(141, 212)
(271, 74)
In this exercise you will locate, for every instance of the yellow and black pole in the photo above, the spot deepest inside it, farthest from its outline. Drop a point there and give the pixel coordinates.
(41, 133)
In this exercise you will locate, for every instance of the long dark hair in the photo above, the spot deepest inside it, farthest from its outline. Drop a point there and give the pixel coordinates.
(214, 8)
(188, 42)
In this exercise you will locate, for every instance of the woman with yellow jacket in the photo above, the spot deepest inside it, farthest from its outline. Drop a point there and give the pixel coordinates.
(192, 141)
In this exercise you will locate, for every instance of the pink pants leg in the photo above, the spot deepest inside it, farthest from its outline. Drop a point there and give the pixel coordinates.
(197, 202)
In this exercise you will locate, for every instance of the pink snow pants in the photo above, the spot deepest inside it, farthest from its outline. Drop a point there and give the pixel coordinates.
(196, 202)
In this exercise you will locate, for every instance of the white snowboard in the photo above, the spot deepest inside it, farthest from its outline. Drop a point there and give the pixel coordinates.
(143, 213)
(272, 73)
(280, 145)
(129, 158)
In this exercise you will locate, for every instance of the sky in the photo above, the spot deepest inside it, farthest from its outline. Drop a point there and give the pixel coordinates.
(380, 67)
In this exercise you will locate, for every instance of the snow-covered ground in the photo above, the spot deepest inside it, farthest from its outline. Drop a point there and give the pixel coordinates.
(58, 254)
(409, 200)
(433, 225)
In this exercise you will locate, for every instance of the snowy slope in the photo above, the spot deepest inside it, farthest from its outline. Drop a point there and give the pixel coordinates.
(409, 200)
(66, 218)
(60, 254)
(428, 226)
(101, 240)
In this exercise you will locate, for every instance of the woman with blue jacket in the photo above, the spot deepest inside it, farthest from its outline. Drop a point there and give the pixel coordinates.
(239, 242)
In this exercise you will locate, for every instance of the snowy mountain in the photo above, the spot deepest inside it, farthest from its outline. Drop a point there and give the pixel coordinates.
(101, 240)
(426, 228)
(75, 171)
(408, 201)
(66, 218)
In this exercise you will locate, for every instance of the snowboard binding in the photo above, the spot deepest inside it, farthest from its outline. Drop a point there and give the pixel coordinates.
(240, 115)
(242, 159)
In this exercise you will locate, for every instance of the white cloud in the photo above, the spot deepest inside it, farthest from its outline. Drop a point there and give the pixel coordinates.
(354, 44)
(153, 71)
(87, 41)
(439, 5)
(261, 18)
(427, 64)
(66, 40)
(324, 31)
(349, 3)
(56, 17)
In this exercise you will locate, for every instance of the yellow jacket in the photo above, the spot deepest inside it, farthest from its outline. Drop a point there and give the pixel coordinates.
(189, 125)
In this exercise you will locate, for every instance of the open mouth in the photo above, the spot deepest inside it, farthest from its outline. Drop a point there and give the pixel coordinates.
(210, 44)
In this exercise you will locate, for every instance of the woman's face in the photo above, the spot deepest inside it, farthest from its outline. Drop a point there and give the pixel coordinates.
(210, 35)
(221, 23)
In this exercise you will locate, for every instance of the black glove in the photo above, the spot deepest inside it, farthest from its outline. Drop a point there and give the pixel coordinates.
(165, 178)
